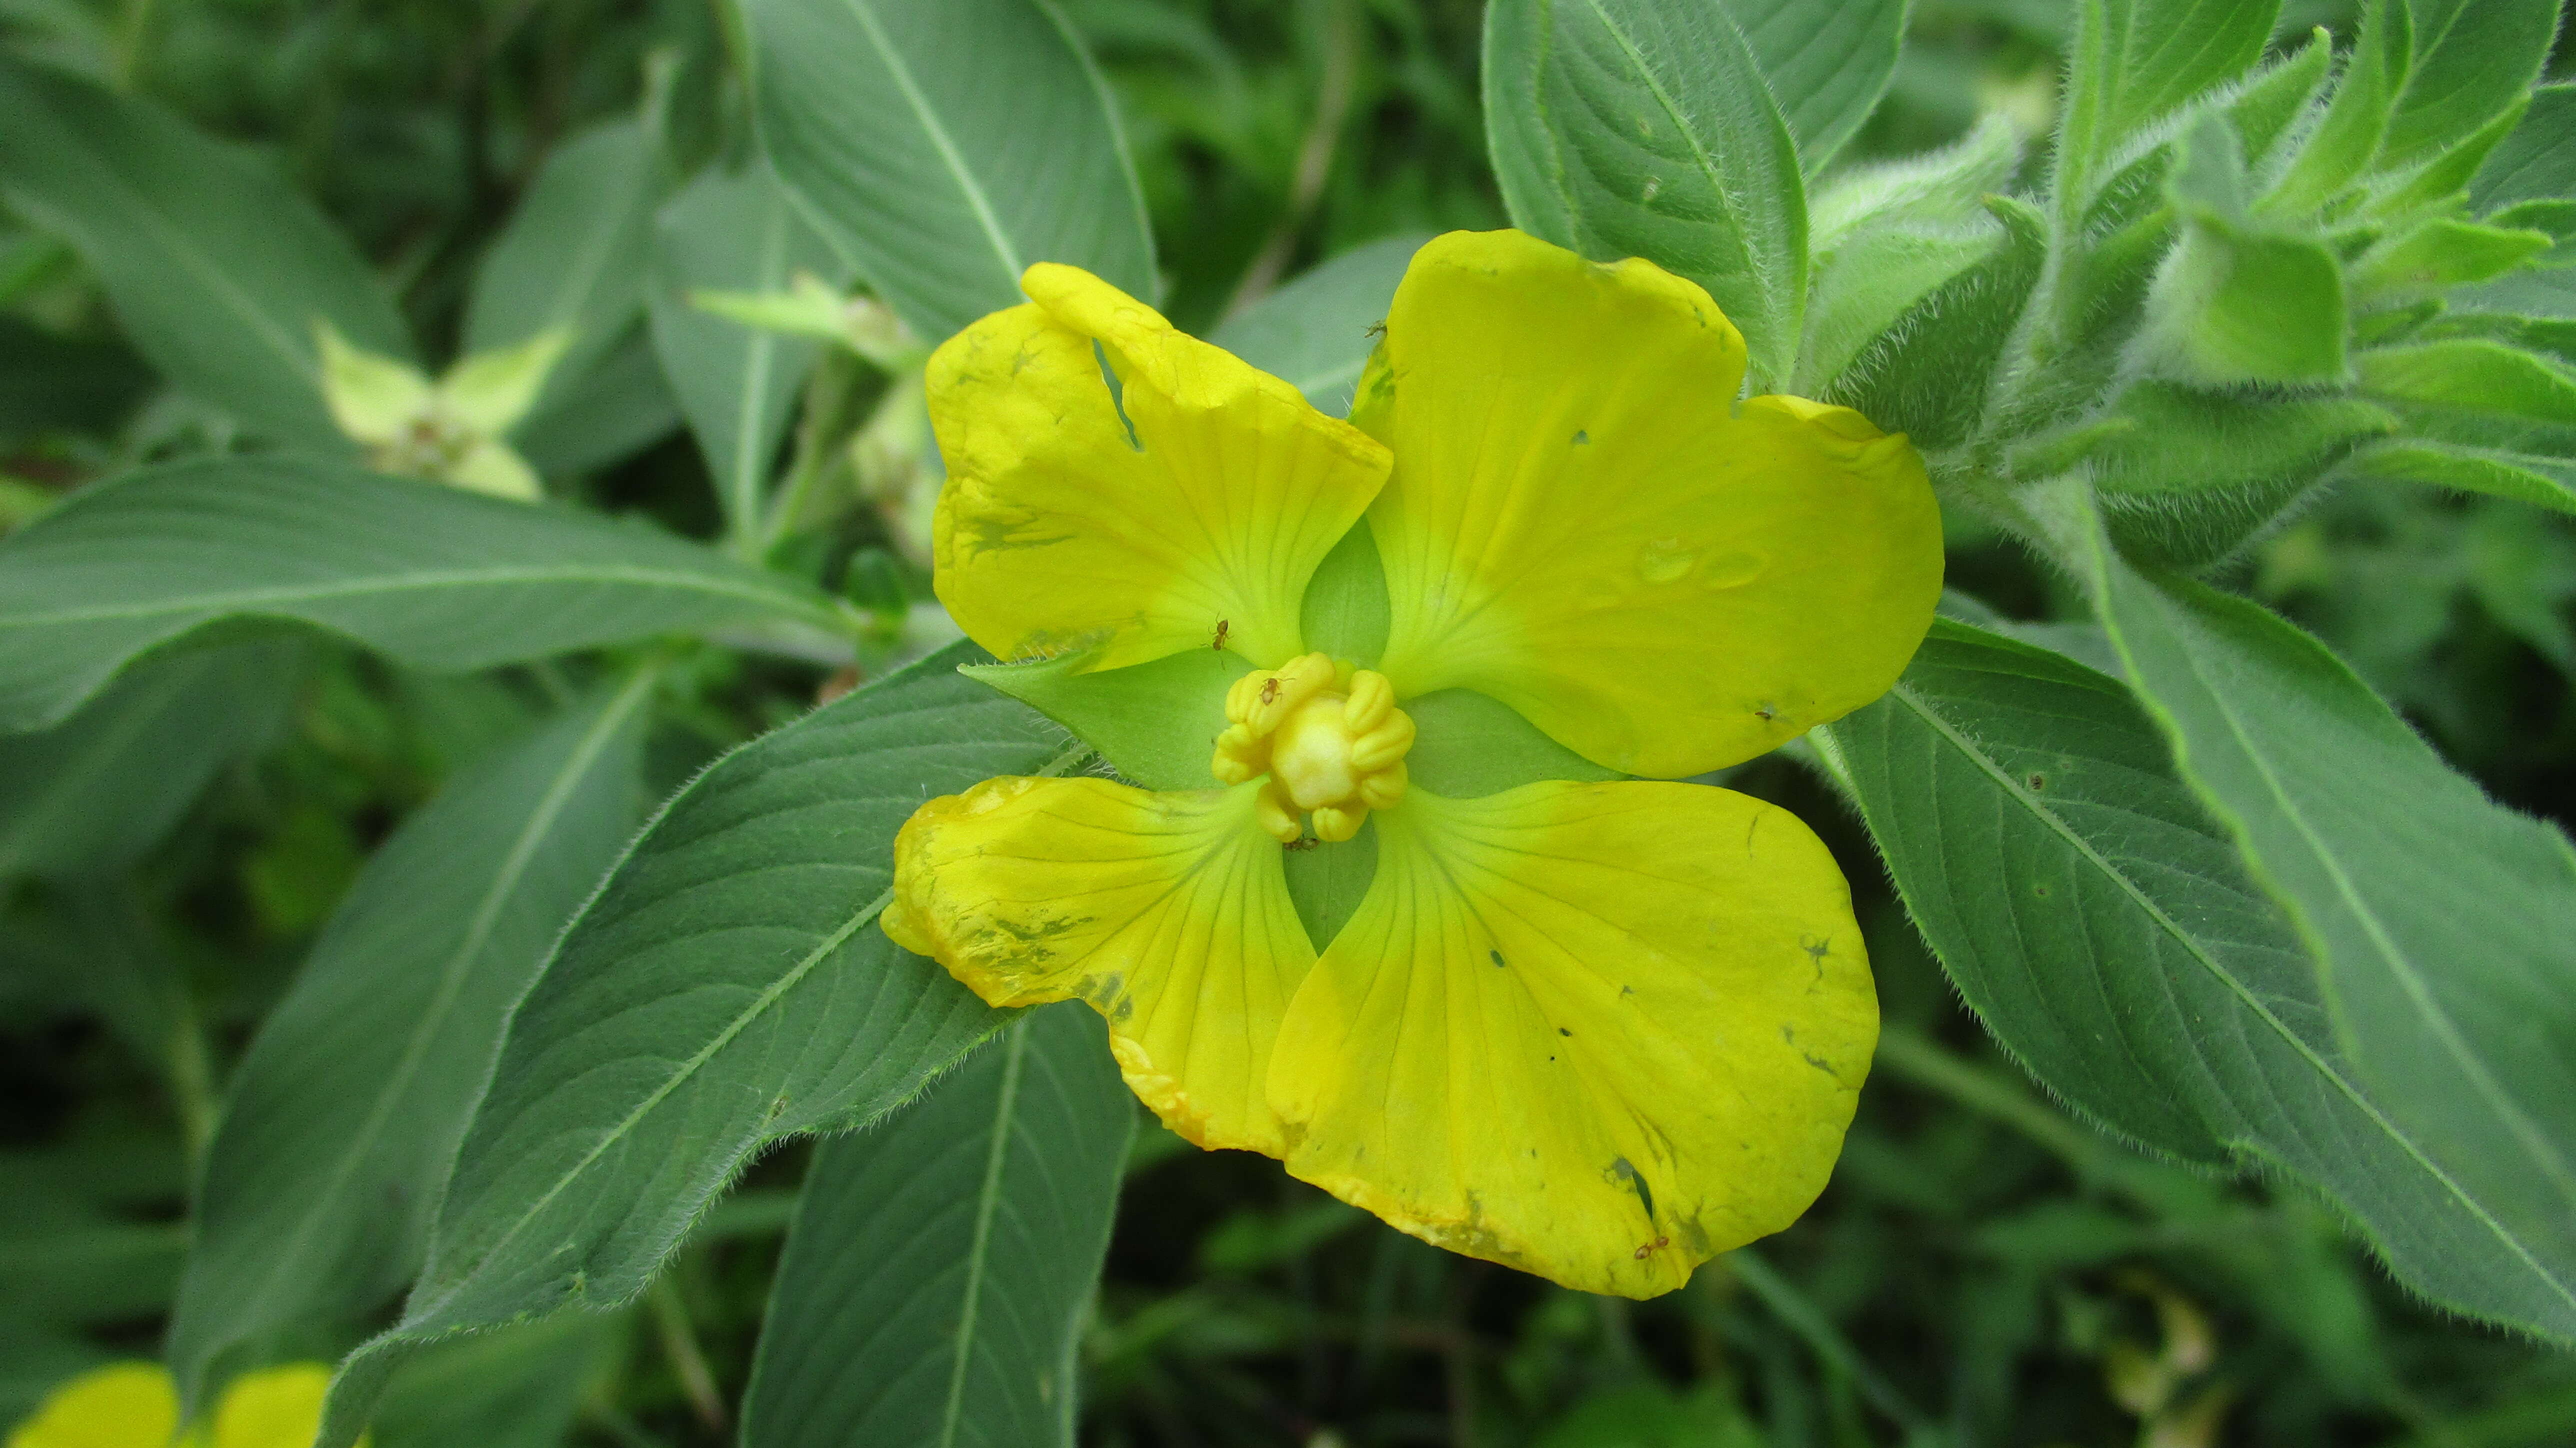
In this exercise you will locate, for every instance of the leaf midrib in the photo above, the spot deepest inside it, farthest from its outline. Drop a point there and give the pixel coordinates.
(487, 913)
(961, 1344)
(2084, 848)
(2524, 1130)
(968, 185)
(414, 1321)
(426, 581)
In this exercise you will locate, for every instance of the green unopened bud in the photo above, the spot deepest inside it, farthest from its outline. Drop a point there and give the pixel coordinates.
(811, 308)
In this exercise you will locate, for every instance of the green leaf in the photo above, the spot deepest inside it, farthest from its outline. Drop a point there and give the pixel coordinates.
(728, 986)
(2472, 375)
(1886, 237)
(1317, 331)
(1928, 373)
(2473, 60)
(519, 1387)
(2136, 62)
(438, 577)
(575, 253)
(217, 267)
(2238, 301)
(622, 405)
(2346, 140)
(346, 1111)
(1646, 129)
(2441, 921)
(2440, 254)
(92, 794)
(2104, 929)
(940, 1269)
(50, 382)
(2160, 438)
(737, 384)
(2549, 482)
(1827, 61)
(880, 117)
(2537, 161)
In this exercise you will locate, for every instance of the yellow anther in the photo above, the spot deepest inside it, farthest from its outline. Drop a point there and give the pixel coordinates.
(1328, 735)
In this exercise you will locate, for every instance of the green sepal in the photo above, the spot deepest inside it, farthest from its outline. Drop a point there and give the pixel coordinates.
(1467, 744)
(1345, 610)
(1327, 882)
(1927, 374)
(2275, 98)
(1156, 723)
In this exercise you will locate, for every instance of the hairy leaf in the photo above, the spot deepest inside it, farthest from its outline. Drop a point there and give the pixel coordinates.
(2104, 929)
(737, 384)
(575, 253)
(90, 795)
(940, 1267)
(728, 986)
(1828, 62)
(344, 1115)
(1646, 129)
(944, 145)
(436, 576)
(2441, 920)
(217, 267)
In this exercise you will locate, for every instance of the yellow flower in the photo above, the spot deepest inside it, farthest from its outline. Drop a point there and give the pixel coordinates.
(450, 430)
(1594, 1028)
(135, 1405)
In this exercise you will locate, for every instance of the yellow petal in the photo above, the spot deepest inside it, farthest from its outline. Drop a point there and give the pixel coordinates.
(374, 398)
(1599, 1032)
(1584, 525)
(495, 468)
(1168, 913)
(491, 392)
(122, 1405)
(278, 1407)
(1058, 530)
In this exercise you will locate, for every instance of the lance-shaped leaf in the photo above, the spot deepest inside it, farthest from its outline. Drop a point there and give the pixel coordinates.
(2483, 415)
(1318, 330)
(94, 792)
(344, 1115)
(2441, 920)
(2137, 61)
(729, 985)
(2101, 924)
(736, 384)
(217, 267)
(939, 1269)
(944, 145)
(1828, 62)
(1646, 129)
(2473, 60)
(436, 576)
(575, 254)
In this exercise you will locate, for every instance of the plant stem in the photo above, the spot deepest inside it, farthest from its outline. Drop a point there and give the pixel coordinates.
(680, 1345)
(1801, 1315)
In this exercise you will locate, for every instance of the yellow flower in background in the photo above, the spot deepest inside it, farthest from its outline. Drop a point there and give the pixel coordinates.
(1599, 1029)
(136, 1405)
(451, 430)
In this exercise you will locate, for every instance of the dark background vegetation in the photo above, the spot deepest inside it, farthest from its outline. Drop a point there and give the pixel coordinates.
(1983, 1265)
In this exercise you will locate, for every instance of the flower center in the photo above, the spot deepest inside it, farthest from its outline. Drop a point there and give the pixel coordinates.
(1328, 736)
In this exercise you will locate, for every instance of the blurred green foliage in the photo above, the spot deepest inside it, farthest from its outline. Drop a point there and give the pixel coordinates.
(1983, 1270)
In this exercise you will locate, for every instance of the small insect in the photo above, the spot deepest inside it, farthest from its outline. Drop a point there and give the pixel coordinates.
(1376, 329)
(1221, 626)
(1270, 691)
(1648, 1249)
(1765, 713)
(1308, 843)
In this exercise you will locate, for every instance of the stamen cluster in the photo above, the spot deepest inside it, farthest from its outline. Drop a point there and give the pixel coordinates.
(1329, 737)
